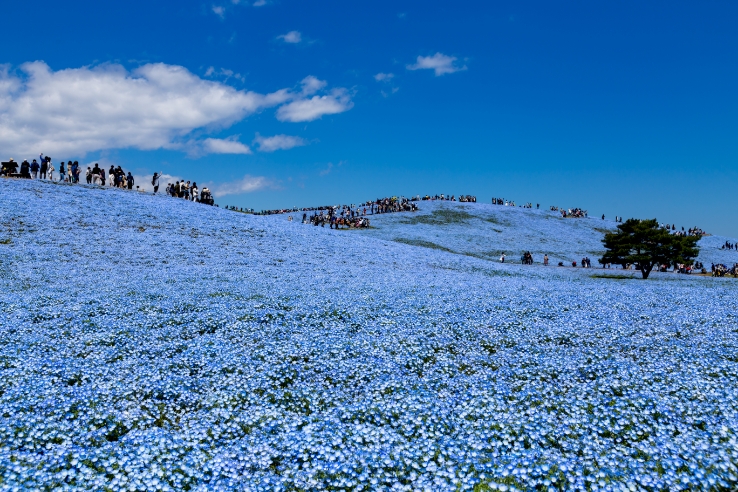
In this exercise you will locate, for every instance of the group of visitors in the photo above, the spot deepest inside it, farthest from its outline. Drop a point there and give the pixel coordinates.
(43, 168)
(576, 213)
(116, 177)
(450, 198)
(692, 231)
(337, 217)
(391, 204)
(502, 201)
(728, 245)
(185, 190)
(239, 209)
(721, 270)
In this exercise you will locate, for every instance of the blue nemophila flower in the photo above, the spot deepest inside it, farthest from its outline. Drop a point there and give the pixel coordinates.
(150, 344)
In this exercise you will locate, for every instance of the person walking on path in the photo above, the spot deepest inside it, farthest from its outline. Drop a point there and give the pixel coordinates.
(129, 178)
(545, 260)
(62, 172)
(34, 169)
(44, 168)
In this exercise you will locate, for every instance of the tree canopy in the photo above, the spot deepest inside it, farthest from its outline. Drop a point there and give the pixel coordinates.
(644, 244)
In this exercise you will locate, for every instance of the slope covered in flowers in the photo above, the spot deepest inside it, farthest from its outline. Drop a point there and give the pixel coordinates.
(155, 344)
(486, 231)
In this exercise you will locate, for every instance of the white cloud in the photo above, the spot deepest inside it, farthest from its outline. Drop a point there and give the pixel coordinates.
(75, 111)
(315, 107)
(440, 63)
(229, 145)
(259, 3)
(219, 11)
(311, 85)
(247, 184)
(292, 37)
(278, 142)
(384, 77)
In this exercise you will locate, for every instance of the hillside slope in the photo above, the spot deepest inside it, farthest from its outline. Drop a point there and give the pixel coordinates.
(486, 231)
(151, 343)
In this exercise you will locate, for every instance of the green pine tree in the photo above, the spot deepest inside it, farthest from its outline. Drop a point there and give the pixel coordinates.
(644, 244)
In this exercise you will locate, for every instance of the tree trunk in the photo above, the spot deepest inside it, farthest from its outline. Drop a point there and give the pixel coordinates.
(646, 269)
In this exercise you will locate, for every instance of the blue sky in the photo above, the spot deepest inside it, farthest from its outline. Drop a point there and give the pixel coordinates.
(626, 108)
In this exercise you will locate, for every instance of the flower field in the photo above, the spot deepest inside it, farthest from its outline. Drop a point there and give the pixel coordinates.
(150, 343)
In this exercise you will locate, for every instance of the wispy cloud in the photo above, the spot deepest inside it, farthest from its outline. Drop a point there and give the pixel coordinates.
(247, 184)
(278, 142)
(229, 145)
(313, 108)
(223, 73)
(219, 11)
(329, 168)
(292, 37)
(384, 77)
(389, 92)
(441, 64)
(256, 3)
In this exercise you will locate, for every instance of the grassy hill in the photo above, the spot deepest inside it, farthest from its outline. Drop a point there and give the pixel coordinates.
(151, 343)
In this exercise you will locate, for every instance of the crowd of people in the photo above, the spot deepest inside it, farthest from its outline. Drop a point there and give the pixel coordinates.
(378, 206)
(185, 190)
(353, 216)
(721, 270)
(728, 245)
(502, 201)
(43, 168)
(692, 231)
(576, 213)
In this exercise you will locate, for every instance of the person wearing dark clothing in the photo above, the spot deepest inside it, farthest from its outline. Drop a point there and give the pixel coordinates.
(44, 168)
(130, 180)
(24, 171)
(34, 169)
(75, 172)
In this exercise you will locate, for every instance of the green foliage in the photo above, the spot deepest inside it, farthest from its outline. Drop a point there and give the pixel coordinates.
(644, 244)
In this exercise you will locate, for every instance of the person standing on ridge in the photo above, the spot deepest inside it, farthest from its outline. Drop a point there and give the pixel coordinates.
(155, 182)
(24, 169)
(34, 169)
(44, 168)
